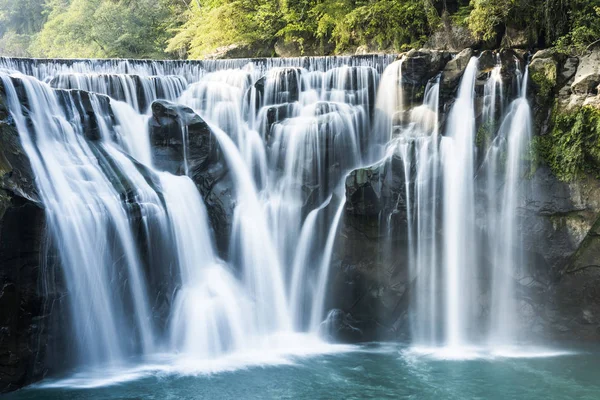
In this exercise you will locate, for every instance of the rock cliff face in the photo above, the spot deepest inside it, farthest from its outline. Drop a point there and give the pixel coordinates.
(559, 213)
(205, 165)
(30, 290)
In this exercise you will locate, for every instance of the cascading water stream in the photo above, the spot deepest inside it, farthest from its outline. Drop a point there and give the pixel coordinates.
(88, 222)
(442, 186)
(288, 131)
(513, 137)
(252, 245)
(460, 250)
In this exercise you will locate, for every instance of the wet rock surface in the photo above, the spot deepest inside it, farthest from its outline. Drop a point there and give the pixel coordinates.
(560, 227)
(29, 295)
(205, 165)
(370, 286)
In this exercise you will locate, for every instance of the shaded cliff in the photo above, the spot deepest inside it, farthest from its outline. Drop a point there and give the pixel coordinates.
(27, 295)
(558, 212)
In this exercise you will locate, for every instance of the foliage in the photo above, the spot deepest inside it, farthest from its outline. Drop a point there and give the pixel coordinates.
(19, 21)
(385, 23)
(219, 23)
(14, 44)
(106, 28)
(572, 148)
(487, 15)
(585, 17)
(197, 28)
(544, 84)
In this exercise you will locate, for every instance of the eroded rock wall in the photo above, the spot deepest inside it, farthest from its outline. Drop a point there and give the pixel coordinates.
(558, 213)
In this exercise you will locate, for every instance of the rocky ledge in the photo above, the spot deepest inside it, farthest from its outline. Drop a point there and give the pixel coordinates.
(560, 214)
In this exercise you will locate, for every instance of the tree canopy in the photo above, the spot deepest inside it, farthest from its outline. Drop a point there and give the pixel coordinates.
(198, 28)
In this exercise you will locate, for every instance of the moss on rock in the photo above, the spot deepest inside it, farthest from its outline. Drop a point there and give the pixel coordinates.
(572, 148)
(543, 74)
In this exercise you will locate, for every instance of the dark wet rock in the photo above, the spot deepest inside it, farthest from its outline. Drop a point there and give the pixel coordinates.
(454, 70)
(370, 280)
(84, 108)
(487, 61)
(275, 114)
(288, 84)
(169, 124)
(560, 229)
(420, 66)
(205, 163)
(216, 185)
(28, 295)
(568, 71)
(343, 327)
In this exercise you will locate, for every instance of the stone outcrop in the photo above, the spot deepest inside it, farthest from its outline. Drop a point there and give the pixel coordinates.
(370, 279)
(27, 291)
(454, 70)
(560, 222)
(205, 165)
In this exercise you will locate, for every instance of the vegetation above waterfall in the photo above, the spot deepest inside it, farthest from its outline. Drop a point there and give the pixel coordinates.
(572, 148)
(199, 28)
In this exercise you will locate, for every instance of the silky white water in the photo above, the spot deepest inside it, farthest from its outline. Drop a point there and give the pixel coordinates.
(289, 131)
(121, 226)
(452, 178)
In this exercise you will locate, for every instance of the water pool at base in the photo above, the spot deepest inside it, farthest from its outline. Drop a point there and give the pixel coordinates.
(375, 371)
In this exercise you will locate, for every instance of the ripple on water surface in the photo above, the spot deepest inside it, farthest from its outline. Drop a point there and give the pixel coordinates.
(374, 371)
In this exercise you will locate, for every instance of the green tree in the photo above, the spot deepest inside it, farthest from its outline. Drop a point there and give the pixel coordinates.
(19, 21)
(107, 28)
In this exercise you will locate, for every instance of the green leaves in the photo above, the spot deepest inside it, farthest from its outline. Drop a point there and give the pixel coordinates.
(572, 148)
(194, 28)
(106, 28)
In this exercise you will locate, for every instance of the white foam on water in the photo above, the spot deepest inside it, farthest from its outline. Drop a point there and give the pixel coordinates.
(463, 353)
(277, 349)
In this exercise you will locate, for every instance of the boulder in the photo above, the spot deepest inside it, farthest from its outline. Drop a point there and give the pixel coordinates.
(487, 61)
(454, 70)
(29, 297)
(589, 65)
(168, 125)
(586, 84)
(280, 85)
(89, 107)
(515, 38)
(205, 164)
(421, 65)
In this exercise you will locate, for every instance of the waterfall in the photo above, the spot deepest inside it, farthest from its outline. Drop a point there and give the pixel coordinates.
(444, 184)
(513, 137)
(460, 249)
(135, 242)
(138, 245)
(389, 106)
(87, 219)
(425, 257)
(210, 311)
